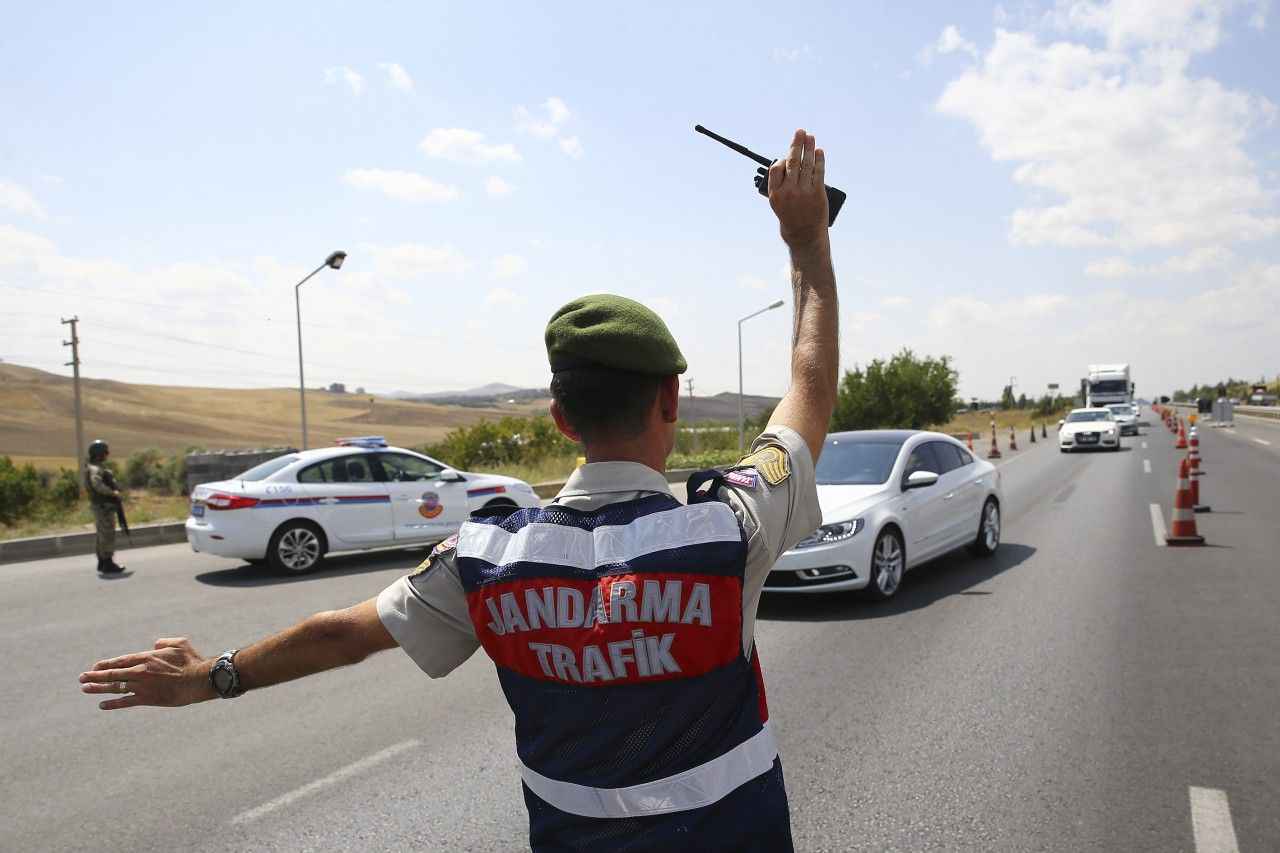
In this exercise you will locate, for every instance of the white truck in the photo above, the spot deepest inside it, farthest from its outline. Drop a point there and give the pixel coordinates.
(1106, 384)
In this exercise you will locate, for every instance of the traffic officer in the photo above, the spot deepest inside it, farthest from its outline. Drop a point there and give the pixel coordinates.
(621, 621)
(104, 497)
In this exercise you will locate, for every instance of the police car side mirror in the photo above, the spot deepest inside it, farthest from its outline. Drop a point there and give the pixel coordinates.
(448, 475)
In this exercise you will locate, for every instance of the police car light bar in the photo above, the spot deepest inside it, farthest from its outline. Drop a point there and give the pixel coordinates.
(362, 441)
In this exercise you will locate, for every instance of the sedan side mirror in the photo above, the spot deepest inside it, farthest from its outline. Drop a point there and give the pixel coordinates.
(1061, 422)
(448, 475)
(920, 480)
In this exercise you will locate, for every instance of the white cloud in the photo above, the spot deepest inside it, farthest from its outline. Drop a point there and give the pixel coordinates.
(1119, 146)
(572, 146)
(341, 73)
(949, 41)
(415, 260)
(1258, 20)
(503, 298)
(971, 312)
(509, 266)
(547, 123)
(791, 54)
(895, 302)
(752, 282)
(18, 200)
(465, 146)
(406, 186)
(496, 187)
(1195, 261)
(397, 77)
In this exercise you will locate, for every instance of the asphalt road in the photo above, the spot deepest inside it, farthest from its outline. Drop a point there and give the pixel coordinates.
(1066, 695)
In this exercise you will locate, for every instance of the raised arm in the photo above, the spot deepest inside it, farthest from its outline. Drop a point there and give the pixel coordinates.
(174, 673)
(797, 196)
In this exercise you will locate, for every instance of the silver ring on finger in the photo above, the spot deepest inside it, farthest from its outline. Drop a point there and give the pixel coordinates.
(122, 687)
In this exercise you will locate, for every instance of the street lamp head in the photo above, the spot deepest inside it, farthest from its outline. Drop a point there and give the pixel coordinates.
(335, 260)
(777, 304)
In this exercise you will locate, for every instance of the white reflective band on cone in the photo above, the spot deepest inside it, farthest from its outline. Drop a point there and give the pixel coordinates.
(694, 788)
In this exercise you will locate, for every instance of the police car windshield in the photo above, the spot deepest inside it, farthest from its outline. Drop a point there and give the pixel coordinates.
(266, 469)
(846, 462)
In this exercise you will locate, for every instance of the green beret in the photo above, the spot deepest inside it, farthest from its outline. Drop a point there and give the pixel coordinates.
(604, 330)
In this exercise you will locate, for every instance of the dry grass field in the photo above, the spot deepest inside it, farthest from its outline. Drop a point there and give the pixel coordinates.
(37, 421)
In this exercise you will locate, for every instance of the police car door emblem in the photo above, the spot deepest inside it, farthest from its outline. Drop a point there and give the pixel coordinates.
(430, 505)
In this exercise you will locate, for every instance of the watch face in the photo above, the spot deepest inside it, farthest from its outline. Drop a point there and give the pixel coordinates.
(222, 680)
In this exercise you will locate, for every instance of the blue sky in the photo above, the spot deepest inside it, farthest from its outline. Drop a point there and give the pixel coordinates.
(1032, 187)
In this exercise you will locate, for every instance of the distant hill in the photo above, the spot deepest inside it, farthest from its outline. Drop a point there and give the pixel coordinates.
(493, 389)
(724, 407)
(37, 416)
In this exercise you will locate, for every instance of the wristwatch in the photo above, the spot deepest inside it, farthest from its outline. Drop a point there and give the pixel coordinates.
(224, 678)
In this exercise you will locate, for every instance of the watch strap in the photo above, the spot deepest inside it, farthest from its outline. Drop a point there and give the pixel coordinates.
(224, 678)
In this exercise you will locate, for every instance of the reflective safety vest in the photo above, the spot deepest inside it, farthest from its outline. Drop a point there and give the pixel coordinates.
(617, 636)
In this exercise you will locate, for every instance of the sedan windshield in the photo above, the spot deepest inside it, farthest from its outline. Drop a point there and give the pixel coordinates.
(849, 462)
(266, 469)
(1077, 417)
(1121, 409)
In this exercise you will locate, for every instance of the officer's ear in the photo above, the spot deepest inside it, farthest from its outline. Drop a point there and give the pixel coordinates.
(562, 423)
(669, 399)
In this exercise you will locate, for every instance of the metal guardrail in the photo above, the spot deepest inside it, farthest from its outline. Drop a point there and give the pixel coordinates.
(1268, 412)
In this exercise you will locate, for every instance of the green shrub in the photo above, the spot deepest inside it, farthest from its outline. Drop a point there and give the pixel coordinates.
(19, 490)
(510, 441)
(64, 492)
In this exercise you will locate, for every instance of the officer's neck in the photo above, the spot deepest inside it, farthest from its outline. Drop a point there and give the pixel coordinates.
(644, 449)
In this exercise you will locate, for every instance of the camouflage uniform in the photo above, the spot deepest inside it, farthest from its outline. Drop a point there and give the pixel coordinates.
(102, 487)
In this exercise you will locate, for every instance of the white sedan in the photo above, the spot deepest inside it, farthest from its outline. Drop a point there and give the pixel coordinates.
(292, 510)
(1126, 415)
(1089, 429)
(891, 500)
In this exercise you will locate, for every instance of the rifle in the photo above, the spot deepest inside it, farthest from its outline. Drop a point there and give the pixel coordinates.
(835, 197)
(124, 524)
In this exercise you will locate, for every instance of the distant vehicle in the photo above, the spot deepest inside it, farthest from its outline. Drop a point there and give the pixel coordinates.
(1106, 384)
(891, 500)
(290, 511)
(1089, 429)
(1125, 417)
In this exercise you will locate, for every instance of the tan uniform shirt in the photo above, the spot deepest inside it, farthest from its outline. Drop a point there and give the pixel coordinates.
(773, 495)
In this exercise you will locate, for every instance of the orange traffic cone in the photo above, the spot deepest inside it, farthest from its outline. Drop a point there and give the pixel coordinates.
(1013, 438)
(1193, 465)
(1193, 455)
(994, 452)
(970, 442)
(1183, 529)
(1182, 439)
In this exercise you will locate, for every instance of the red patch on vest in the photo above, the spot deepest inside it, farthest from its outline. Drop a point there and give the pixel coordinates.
(621, 629)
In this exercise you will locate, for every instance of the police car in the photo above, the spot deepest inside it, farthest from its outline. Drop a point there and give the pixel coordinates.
(891, 500)
(292, 510)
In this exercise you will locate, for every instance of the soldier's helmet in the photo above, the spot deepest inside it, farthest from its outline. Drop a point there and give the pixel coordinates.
(98, 451)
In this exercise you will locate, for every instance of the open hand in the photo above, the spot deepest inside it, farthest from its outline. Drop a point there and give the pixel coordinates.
(796, 192)
(171, 675)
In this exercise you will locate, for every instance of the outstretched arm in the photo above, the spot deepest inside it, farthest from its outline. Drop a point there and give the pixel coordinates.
(174, 673)
(798, 198)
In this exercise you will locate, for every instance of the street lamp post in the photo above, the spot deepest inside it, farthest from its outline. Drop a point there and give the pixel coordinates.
(741, 421)
(334, 261)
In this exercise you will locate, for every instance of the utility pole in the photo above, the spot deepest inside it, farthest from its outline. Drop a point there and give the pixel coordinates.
(689, 382)
(74, 364)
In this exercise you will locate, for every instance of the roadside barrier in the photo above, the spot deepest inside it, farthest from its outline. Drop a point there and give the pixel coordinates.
(1183, 529)
(994, 452)
(1013, 438)
(1182, 439)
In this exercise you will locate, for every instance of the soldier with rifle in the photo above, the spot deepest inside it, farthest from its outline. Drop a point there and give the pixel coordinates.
(104, 498)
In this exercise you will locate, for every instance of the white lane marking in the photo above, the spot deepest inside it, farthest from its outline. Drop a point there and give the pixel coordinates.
(1211, 821)
(1144, 445)
(324, 781)
(1263, 441)
(1157, 524)
(1146, 466)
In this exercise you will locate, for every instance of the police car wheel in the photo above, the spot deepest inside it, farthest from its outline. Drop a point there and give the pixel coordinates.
(888, 562)
(296, 548)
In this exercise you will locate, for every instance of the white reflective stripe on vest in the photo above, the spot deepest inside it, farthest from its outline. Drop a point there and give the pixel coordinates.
(694, 788)
(564, 545)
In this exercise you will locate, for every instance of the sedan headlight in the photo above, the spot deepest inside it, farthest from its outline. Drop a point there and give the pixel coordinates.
(828, 533)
